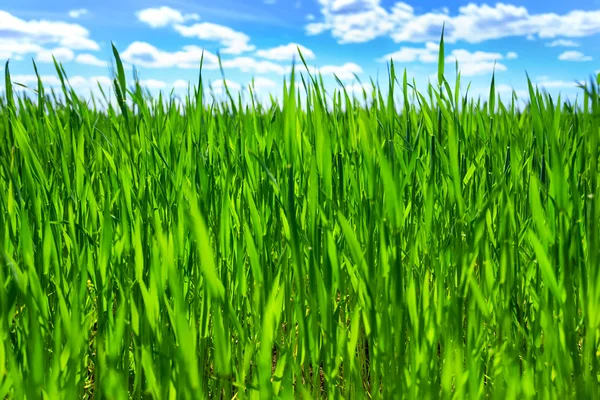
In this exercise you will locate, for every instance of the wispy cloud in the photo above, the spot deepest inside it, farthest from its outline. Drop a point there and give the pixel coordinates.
(146, 55)
(234, 42)
(562, 43)
(469, 63)
(78, 13)
(61, 54)
(164, 16)
(90, 59)
(573, 55)
(351, 21)
(18, 32)
(286, 52)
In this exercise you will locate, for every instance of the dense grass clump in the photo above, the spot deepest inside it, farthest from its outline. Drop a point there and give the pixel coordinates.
(341, 248)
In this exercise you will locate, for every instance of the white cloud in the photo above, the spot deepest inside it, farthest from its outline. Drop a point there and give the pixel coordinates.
(42, 32)
(574, 56)
(251, 65)
(483, 68)
(78, 13)
(146, 55)
(343, 72)
(261, 83)
(286, 52)
(157, 84)
(469, 63)
(90, 59)
(476, 63)
(562, 43)
(504, 88)
(102, 80)
(180, 84)
(218, 86)
(9, 49)
(363, 20)
(557, 84)
(355, 89)
(429, 54)
(153, 83)
(352, 21)
(163, 16)
(31, 79)
(234, 42)
(61, 54)
(77, 81)
(511, 55)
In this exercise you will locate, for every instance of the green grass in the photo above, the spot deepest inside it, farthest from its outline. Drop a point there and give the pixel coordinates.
(220, 250)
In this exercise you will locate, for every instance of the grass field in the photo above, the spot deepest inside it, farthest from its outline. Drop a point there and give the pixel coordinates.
(223, 250)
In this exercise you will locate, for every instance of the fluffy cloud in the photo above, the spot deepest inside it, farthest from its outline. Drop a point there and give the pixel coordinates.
(261, 83)
(163, 16)
(511, 55)
(234, 42)
(218, 86)
(557, 84)
(78, 13)
(574, 56)
(180, 84)
(30, 79)
(90, 59)
(469, 63)
(429, 54)
(562, 43)
(146, 55)
(77, 81)
(286, 52)
(20, 32)
(61, 54)
(363, 20)
(81, 82)
(153, 83)
(356, 89)
(9, 49)
(251, 65)
(476, 63)
(343, 72)
(352, 21)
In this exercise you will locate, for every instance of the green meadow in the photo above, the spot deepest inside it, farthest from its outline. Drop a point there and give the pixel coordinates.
(394, 244)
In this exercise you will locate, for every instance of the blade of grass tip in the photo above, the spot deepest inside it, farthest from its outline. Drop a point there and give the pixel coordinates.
(40, 90)
(120, 71)
(61, 77)
(8, 87)
(441, 58)
(121, 88)
(492, 99)
(225, 84)
(199, 89)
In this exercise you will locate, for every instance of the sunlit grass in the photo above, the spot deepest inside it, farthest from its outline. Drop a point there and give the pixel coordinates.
(340, 250)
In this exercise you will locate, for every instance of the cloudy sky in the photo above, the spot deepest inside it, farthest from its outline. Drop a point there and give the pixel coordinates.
(555, 42)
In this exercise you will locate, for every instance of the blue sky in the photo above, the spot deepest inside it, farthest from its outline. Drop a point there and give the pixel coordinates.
(557, 43)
